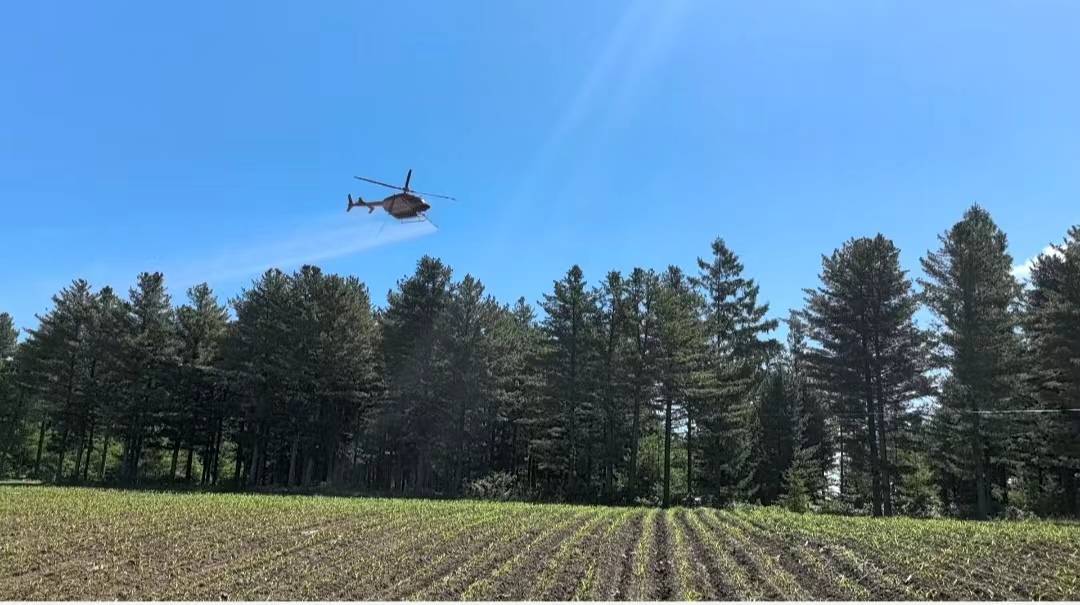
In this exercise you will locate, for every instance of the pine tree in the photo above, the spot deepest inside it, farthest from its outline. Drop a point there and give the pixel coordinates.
(868, 357)
(200, 418)
(569, 364)
(261, 352)
(14, 406)
(110, 389)
(517, 355)
(641, 306)
(466, 371)
(612, 396)
(411, 412)
(972, 292)
(734, 325)
(1053, 326)
(679, 361)
(151, 360)
(56, 368)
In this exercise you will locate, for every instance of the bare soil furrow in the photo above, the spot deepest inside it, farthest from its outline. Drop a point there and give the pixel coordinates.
(617, 573)
(820, 574)
(505, 582)
(438, 557)
(372, 569)
(471, 561)
(664, 587)
(865, 572)
(784, 582)
(711, 575)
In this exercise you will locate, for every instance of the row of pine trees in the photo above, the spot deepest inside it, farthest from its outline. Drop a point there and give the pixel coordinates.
(662, 387)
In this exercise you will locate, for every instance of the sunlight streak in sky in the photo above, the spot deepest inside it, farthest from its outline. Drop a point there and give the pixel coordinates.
(635, 45)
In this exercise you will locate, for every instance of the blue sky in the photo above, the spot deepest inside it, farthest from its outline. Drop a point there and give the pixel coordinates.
(211, 140)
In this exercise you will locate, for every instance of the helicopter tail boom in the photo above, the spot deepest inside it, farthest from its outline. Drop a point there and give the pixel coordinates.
(371, 206)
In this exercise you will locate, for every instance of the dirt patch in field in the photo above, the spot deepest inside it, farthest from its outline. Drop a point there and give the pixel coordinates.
(617, 586)
(818, 572)
(663, 570)
(706, 566)
(474, 560)
(757, 576)
(408, 559)
(881, 585)
(579, 576)
(514, 578)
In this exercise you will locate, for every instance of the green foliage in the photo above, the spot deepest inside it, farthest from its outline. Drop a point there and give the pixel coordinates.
(917, 491)
(1052, 324)
(972, 291)
(733, 329)
(868, 358)
(498, 486)
(645, 387)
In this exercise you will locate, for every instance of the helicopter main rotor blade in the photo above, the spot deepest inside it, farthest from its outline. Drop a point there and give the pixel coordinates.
(445, 197)
(408, 177)
(362, 178)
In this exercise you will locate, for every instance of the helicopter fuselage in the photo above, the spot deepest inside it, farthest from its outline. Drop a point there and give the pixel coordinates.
(405, 205)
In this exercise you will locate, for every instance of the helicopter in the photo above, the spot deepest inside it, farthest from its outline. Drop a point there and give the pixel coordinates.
(406, 207)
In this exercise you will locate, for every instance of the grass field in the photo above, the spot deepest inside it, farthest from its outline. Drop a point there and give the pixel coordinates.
(64, 543)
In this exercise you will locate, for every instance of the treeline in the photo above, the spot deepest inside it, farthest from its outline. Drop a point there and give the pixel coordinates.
(648, 386)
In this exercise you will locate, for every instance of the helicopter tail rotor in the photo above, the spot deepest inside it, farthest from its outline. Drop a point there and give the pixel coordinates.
(359, 202)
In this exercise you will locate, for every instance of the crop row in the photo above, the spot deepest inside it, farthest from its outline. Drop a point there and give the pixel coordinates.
(64, 543)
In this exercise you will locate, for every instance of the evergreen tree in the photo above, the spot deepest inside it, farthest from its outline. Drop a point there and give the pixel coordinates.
(972, 292)
(14, 410)
(869, 357)
(151, 362)
(613, 393)
(734, 328)
(57, 366)
(262, 353)
(465, 350)
(679, 362)
(777, 420)
(641, 307)
(412, 412)
(569, 364)
(1053, 326)
(200, 420)
(110, 388)
(519, 380)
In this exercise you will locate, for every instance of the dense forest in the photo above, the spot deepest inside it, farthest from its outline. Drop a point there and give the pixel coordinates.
(649, 386)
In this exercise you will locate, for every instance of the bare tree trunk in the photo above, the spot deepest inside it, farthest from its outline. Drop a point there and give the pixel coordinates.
(175, 456)
(667, 453)
(187, 465)
(689, 456)
(217, 453)
(256, 460)
(78, 456)
(89, 453)
(40, 447)
(872, 434)
(59, 473)
(982, 502)
(293, 459)
(309, 469)
(104, 455)
(635, 438)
